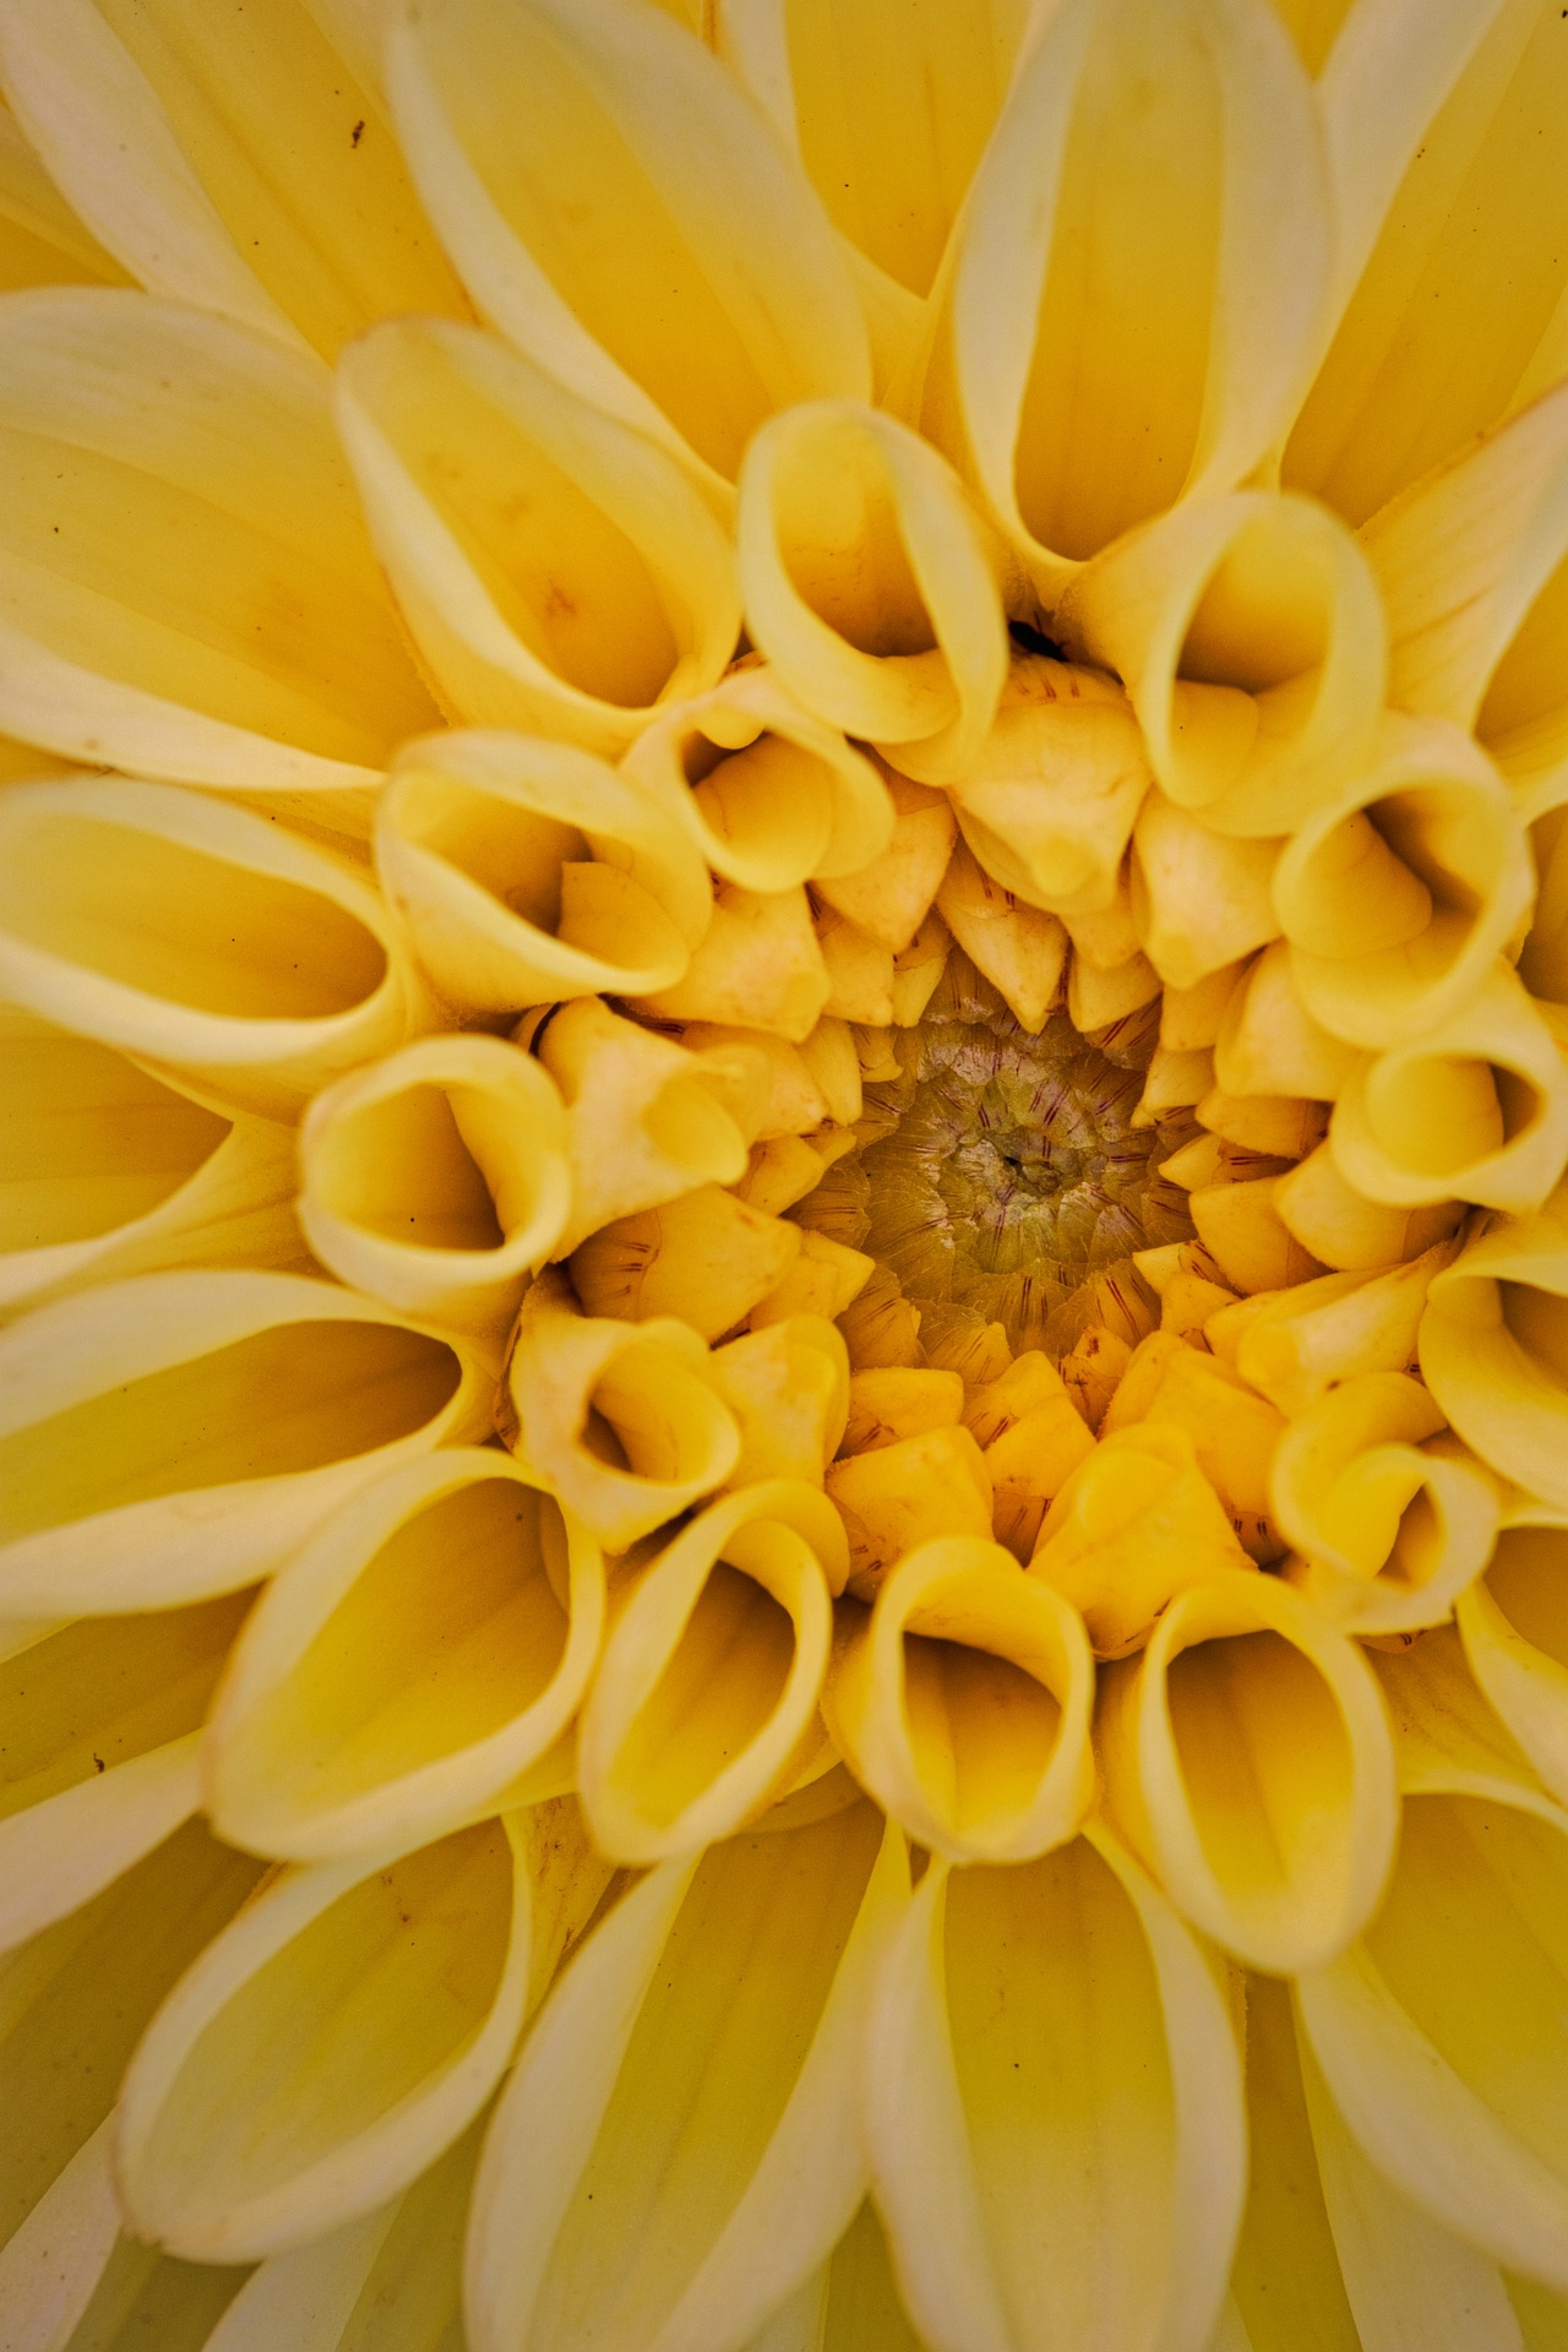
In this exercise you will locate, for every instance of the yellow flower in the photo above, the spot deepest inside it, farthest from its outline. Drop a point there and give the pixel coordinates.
(784, 1234)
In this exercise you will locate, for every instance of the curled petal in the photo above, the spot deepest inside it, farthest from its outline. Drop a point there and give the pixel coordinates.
(102, 1733)
(706, 1257)
(1475, 1109)
(614, 202)
(788, 1386)
(871, 584)
(333, 2041)
(891, 896)
(1344, 1230)
(210, 944)
(1201, 899)
(1269, 1041)
(107, 1171)
(1390, 1527)
(1248, 631)
(1247, 1754)
(437, 1179)
(1019, 948)
(707, 1692)
(1437, 127)
(186, 586)
(558, 569)
(1493, 1349)
(676, 2153)
(935, 1484)
(1419, 2026)
(1398, 897)
(1293, 1344)
(759, 963)
(771, 794)
(1016, 2008)
(228, 1412)
(1514, 1626)
(1094, 256)
(582, 1390)
(962, 1703)
(1170, 1384)
(424, 1649)
(527, 872)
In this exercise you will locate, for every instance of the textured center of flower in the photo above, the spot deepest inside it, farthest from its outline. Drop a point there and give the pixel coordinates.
(1001, 1172)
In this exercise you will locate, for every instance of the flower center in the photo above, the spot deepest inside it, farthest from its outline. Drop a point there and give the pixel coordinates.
(1000, 1173)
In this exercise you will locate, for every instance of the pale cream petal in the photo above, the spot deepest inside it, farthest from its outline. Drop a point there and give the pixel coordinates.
(1398, 894)
(1475, 1109)
(106, 1172)
(304, 2298)
(42, 242)
(186, 586)
(613, 201)
(328, 2045)
(623, 1421)
(438, 1179)
(648, 1118)
(771, 794)
(1437, 127)
(705, 1257)
(1494, 1349)
(963, 1705)
(557, 568)
(1248, 1755)
(1515, 1632)
(707, 1690)
(1053, 2108)
(1201, 899)
(872, 585)
(1440, 2033)
(50, 2267)
(248, 964)
(412, 1662)
(1096, 256)
(144, 2296)
(1249, 634)
(526, 871)
(1390, 1527)
(232, 159)
(170, 1438)
(1286, 2288)
(676, 2152)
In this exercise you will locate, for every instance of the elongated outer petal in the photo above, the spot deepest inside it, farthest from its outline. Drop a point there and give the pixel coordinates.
(60, 1851)
(208, 942)
(229, 1410)
(176, 134)
(410, 1666)
(557, 568)
(1420, 2029)
(1090, 251)
(1248, 633)
(432, 1951)
(481, 838)
(1475, 1109)
(1260, 1780)
(1398, 896)
(792, 803)
(1437, 123)
(871, 584)
(1515, 1630)
(108, 1171)
(186, 586)
(944, 1704)
(613, 201)
(677, 2151)
(1491, 1348)
(706, 1691)
(1012, 2004)
(439, 1178)
(51, 2265)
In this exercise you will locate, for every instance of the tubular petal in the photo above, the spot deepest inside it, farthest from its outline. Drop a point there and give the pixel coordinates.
(676, 2152)
(186, 587)
(438, 1179)
(706, 1693)
(1016, 2009)
(1345, 1231)
(332, 2043)
(228, 1412)
(613, 201)
(208, 943)
(527, 872)
(1291, 1345)
(1247, 1754)
(788, 1386)
(623, 1421)
(1515, 1632)
(963, 1705)
(408, 1666)
(1494, 1349)
(557, 568)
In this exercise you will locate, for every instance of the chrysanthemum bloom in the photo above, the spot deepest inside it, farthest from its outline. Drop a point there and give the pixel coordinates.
(784, 1407)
